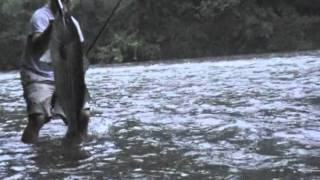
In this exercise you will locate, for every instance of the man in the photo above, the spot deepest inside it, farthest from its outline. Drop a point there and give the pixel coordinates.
(37, 73)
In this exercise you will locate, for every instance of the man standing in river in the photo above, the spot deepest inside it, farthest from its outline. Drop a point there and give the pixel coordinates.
(37, 73)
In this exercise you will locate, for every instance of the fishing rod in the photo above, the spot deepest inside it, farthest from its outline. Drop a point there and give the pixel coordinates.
(103, 27)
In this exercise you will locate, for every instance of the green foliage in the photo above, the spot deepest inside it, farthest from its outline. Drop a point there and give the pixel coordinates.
(153, 29)
(212, 8)
(123, 47)
(11, 7)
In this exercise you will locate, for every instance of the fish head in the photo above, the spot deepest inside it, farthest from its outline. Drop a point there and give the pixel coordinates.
(65, 30)
(62, 9)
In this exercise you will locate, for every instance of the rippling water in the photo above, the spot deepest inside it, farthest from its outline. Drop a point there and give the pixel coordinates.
(247, 118)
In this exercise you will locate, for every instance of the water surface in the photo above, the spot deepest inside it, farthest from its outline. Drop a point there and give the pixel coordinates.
(247, 118)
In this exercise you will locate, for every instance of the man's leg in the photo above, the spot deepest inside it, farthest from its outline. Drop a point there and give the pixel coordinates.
(31, 132)
(38, 98)
(85, 115)
(78, 136)
(84, 121)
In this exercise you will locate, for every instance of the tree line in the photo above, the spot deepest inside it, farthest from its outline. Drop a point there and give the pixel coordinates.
(152, 29)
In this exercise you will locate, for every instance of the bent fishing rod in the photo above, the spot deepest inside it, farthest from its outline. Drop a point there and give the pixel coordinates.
(103, 27)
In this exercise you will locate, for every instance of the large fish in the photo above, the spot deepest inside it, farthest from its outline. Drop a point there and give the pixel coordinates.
(67, 59)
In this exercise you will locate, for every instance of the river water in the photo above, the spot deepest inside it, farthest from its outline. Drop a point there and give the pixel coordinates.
(240, 117)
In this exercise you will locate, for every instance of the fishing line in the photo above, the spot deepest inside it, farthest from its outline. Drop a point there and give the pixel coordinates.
(103, 27)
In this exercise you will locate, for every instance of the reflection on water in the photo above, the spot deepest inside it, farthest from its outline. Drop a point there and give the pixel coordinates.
(239, 119)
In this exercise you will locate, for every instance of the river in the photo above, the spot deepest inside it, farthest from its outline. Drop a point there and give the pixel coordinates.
(241, 117)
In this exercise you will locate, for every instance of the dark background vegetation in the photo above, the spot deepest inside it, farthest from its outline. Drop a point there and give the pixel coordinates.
(166, 29)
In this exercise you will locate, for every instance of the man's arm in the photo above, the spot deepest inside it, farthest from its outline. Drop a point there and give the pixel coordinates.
(40, 41)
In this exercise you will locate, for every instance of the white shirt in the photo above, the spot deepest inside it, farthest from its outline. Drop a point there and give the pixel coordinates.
(41, 18)
(40, 68)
